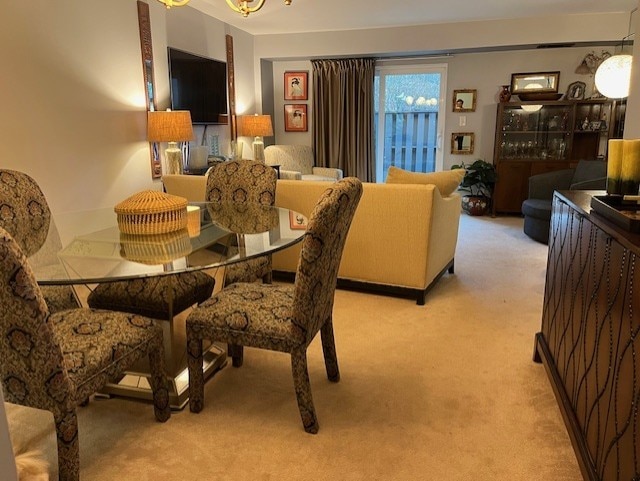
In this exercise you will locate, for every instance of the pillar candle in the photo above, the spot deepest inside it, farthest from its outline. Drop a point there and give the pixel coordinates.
(614, 166)
(630, 172)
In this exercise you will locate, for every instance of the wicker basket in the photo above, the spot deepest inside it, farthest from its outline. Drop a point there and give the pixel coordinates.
(155, 249)
(152, 212)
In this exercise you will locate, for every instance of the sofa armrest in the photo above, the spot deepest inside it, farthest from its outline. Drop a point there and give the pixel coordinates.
(542, 186)
(328, 172)
(593, 184)
(290, 175)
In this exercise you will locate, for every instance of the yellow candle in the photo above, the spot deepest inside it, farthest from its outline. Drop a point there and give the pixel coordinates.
(614, 166)
(630, 172)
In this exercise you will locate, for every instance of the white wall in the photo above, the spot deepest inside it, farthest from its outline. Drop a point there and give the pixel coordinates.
(72, 94)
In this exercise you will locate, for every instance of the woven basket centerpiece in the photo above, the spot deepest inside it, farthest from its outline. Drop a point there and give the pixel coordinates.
(151, 212)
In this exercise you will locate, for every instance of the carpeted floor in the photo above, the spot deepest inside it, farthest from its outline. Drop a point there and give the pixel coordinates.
(443, 392)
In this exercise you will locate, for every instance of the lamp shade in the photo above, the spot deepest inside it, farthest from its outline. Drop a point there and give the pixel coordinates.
(613, 76)
(169, 126)
(255, 125)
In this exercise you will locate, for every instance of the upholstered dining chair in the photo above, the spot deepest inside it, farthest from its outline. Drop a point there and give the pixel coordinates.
(25, 214)
(245, 182)
(283, 318)
(56, 361)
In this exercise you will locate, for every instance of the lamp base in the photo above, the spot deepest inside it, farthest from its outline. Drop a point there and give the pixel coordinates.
(174, 161)
(258, 149)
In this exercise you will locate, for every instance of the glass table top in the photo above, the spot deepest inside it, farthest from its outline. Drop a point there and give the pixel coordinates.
(216, 235)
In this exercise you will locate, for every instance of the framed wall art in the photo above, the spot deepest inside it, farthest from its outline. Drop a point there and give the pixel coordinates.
(464, 100)
(295, 118)
(296, 86)
(462, 143)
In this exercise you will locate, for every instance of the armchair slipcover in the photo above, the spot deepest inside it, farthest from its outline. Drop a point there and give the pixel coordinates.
(283, 318)
(296, 163)
(56, 361)
(587, 175)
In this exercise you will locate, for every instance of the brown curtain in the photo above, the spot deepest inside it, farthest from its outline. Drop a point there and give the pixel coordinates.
(343, 115)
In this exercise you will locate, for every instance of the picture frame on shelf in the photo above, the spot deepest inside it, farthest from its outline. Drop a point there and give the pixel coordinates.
(464, 100)
(296, 85)
(297, 221)
(462, 143)
(295, 118)
(575, 91)
(535, 82)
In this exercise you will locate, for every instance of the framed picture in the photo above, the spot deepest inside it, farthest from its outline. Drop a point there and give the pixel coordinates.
(464, 100)
(462, 143)
(295, 118)
(535, 82)
(297, 221)
(296, 86)
(575, 91)
(595, 125)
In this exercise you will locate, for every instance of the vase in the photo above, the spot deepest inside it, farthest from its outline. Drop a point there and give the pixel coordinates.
(505, 93)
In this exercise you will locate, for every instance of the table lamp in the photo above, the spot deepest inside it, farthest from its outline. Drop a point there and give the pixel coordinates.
(257, 126)
(170, 126)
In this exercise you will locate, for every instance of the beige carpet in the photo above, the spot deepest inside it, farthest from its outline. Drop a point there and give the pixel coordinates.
(446, 391)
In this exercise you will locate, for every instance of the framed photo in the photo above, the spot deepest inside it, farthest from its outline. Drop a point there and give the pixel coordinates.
(297, 221)
(595, 125)
(535, 82)
(296, 86)
(575, 91)
(462, 143)
(464, 100)
(295, 118)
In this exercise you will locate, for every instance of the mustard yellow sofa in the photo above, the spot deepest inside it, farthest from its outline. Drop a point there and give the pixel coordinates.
(402, 239)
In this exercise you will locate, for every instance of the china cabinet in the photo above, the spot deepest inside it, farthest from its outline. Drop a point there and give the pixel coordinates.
(542, 136)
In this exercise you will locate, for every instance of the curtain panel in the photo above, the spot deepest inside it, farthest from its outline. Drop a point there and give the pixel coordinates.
(343, 115)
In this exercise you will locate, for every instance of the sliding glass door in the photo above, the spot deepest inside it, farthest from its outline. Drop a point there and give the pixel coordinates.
(409, 118)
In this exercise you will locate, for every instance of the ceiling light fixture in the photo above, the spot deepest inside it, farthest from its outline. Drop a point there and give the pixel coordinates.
(245, 8)
(613, 76)
(174, 3)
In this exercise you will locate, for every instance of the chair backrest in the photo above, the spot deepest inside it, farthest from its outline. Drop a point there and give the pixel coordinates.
(321, 252)
(24, 211)
(298, 158)
(242, 181)
(589, 170)
(31, 363)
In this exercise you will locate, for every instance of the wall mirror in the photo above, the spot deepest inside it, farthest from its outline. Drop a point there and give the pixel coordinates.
(464, 100)
(462, 143)
(535, 82)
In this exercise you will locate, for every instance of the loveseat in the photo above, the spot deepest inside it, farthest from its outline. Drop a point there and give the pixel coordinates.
(401, 241)
(296, 162)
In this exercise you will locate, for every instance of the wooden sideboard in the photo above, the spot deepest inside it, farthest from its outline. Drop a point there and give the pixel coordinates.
(589, 342)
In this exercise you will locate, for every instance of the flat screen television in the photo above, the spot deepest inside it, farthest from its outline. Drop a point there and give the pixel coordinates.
(199, 85)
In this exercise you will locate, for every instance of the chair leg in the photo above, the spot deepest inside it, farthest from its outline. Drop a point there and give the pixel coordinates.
(303, 390)
(329, 351)
(68, 445)
(196, 376)
(159, 383)
(236, 352)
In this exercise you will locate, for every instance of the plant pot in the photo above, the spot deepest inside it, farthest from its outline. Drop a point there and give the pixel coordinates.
(475, 204)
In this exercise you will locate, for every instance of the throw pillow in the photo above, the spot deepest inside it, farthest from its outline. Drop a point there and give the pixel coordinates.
(446, 181)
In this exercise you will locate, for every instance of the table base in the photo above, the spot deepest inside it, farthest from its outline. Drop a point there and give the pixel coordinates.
(135, 385)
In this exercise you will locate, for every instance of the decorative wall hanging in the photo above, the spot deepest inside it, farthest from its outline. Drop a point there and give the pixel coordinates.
(296, 86)
(295, 118)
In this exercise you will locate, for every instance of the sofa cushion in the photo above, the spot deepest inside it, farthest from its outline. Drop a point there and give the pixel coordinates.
(537, 208)
(447, 181)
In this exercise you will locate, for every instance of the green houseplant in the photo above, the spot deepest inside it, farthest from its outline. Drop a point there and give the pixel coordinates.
(479, 180)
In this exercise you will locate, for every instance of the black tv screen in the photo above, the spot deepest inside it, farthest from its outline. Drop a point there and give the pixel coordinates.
(199, 85)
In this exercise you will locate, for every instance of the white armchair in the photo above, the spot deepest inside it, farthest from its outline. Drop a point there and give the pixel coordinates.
(296, 163)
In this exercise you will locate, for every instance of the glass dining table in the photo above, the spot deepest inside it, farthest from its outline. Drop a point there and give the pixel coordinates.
(217, 235)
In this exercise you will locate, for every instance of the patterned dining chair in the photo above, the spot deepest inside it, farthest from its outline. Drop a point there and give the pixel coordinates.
(55, 361)
(283, 318)
(25, 214)
(244, 182)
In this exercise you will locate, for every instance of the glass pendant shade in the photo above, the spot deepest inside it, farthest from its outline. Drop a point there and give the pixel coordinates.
(613, 77)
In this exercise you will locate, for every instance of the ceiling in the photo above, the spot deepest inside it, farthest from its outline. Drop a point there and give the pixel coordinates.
(328, 15)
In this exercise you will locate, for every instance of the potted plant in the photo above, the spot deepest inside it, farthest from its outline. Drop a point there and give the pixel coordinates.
(479, 180)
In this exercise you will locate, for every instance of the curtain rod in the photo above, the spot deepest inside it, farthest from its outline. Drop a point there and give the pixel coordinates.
(419, 57)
